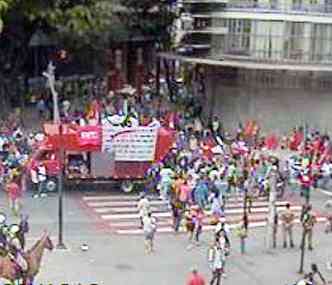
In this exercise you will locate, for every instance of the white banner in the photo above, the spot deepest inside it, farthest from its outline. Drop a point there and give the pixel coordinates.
(130, 144)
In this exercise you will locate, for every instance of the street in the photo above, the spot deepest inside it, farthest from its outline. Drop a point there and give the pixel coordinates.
(165, 142)
(113, 258)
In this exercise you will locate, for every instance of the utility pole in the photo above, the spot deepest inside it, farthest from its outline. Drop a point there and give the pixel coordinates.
(49, 74)
(272, 208)
(305, 210)
(304, 234)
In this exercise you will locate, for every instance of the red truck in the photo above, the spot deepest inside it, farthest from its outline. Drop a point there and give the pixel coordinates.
(99, 154)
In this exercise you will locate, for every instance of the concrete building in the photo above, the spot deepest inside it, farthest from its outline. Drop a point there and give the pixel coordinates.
(269, 60)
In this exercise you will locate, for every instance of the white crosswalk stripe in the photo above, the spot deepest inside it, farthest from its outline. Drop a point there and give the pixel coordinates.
(120, 213)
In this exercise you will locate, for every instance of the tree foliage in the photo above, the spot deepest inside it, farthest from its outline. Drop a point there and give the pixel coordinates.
(74, 22)
(76, 25)
(4, 6)
(150, 17)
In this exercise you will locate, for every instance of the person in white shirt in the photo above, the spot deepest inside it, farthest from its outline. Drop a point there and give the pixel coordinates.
(66, 107)
(41, 178)
(143, 207)
(166, 179)
(149, 228)
(34, 180)
(326, 174)
(155, 123)
(216, 260)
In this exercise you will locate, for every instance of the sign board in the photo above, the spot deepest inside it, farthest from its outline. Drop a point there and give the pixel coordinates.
(130, 144)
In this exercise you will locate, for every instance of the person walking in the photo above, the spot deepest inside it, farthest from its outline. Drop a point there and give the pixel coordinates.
(198, 224)
(149, 228)
(14, 195)
(222, 230)
(194, 221)
(166, 180)
(195, 278)
(242, 233)
(216, 208)
(39, 178)
(309, 220)
(143, 207)
(201, 192)
(177, 213)
(275, 228)
(287, 218)
(216, 259)
(183, 194)
(328, 225)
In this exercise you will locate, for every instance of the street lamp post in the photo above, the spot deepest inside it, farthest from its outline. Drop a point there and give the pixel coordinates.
(302, 250)
(306, 193)
(304, 234)
(49, 74)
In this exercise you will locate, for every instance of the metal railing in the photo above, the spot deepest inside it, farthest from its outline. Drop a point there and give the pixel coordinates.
(289, 48)
(274, 6)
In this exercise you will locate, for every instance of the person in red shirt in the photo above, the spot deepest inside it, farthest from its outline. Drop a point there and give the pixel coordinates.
(195, 278)
(14, 192)
(306, 181)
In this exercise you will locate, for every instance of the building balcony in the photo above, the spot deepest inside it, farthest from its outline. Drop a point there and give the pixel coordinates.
(249, 64)
(275, 7)
(195, 50)
(209, 30)
(203, 2)
(296, 56)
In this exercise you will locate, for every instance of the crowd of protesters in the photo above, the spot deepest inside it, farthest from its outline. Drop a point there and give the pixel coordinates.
(206, 168)
(15, 147)
(207, 164)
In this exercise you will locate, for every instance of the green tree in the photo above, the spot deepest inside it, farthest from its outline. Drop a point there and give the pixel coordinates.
(79, 26)
(152, 18)
(4, 6)
(74, 22)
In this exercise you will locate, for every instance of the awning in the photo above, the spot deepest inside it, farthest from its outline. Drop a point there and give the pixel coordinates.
(249, 64)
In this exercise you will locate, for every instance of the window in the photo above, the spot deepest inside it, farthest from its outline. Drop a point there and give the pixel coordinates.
(321, 42)
(295, 44)
(238, 39)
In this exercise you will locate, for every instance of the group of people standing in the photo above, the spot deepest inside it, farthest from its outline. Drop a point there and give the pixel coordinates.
(15, 148)
(218, 252)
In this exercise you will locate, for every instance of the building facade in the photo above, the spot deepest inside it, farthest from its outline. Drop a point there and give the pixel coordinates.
(269, 60)
(289, 30)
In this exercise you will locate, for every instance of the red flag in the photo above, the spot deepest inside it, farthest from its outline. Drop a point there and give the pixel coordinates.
(271, 142)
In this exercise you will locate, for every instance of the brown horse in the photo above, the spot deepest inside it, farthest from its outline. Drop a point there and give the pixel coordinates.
(9, 270)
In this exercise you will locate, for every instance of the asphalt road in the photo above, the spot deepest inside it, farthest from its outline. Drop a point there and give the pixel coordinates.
(120, 260)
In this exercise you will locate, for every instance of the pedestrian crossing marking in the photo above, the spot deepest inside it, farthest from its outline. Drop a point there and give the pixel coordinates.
(115, 198)
(182, 230)
(229, 208)
(124, 203)
(121, 215)
(204, 228)
(110, 198)
(127, 204)
(135, 215)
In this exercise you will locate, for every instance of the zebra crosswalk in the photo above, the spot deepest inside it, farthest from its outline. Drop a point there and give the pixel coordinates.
(120, 214)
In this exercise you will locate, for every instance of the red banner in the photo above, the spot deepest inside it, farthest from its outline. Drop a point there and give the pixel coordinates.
(75, 138)
(89, 136)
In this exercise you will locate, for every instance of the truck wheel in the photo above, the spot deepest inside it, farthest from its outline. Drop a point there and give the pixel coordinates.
(127, 186)
(51, 185)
